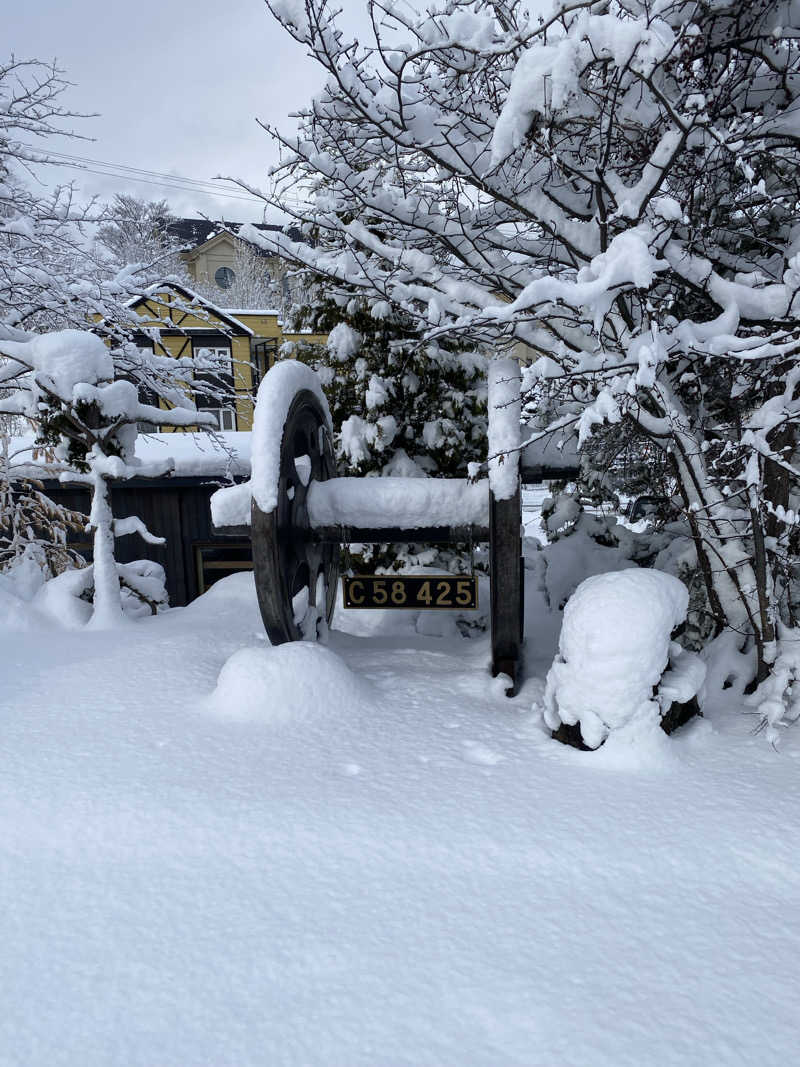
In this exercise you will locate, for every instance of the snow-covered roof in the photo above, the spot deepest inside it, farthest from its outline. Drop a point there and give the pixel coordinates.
(198, 454)
(192, 297)
(195, 232)
(195, 454)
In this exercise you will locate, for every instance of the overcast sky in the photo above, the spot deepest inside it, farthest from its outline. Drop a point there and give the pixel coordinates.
(178, 87)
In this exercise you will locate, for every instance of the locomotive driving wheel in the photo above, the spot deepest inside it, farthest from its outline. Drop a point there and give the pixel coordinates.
(295, 578)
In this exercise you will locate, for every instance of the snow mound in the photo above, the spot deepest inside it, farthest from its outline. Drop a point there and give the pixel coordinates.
(63, 598)
(15, 614)
(292, 682)
(613, 649)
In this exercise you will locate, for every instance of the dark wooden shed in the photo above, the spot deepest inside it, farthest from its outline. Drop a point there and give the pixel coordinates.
(175, 506)
(194, 556)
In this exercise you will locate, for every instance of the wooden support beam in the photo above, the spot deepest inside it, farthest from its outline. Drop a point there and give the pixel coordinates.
(429, 535)
(506, 574)
(347, 535)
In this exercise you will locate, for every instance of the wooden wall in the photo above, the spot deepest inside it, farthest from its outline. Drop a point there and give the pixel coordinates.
(175, 508)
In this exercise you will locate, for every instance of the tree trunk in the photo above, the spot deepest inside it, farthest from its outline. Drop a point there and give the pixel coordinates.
(722, 541)
(107, 599)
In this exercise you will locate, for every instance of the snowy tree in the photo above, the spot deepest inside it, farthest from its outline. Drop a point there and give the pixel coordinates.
(613, 186)
(66, 383)
(79, 389)
(48, 274)
(400, 406)
(253, 285)
(135, 233)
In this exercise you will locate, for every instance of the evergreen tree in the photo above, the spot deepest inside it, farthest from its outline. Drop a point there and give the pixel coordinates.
(401, 406)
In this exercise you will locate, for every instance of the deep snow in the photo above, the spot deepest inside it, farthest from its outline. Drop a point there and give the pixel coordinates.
(396, 867)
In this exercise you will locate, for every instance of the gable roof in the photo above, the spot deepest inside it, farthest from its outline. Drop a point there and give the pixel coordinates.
(190, 297)
(194, 232)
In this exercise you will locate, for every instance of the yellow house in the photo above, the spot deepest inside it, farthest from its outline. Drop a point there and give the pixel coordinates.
(240, 344)
(215, 257)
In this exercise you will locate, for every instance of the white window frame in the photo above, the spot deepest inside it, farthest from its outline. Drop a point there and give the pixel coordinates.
(225, 416)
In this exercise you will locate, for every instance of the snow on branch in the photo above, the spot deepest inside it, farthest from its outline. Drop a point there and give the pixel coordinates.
(612, 187)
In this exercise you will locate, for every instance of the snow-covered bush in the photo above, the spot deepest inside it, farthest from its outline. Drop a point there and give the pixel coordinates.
(667, 546)
(614, 650)
(31, 600)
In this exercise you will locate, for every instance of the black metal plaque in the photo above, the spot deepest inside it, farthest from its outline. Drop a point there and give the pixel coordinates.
(437, 592)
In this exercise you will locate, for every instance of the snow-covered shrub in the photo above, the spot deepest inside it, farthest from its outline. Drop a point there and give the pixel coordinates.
(664, 546)
(560, 512)
(614, 649)
(144, 587)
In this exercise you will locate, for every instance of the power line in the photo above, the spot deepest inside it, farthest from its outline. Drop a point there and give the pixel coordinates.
(168, 181)
(219, 193)
(123, 166)
(180, 183)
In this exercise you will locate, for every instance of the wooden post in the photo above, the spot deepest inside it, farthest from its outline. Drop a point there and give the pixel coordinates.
(506, 573)
(505, 517)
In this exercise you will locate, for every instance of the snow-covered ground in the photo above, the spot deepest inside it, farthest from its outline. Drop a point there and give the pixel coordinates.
(364, 854)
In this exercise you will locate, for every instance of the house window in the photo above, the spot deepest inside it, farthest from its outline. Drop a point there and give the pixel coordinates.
(224, 277)
(213, 378)
(218, 561)
(146, 395)
(226, 417)
(264, 353)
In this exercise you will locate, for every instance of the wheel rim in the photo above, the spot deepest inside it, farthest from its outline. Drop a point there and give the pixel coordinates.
(295, 579)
